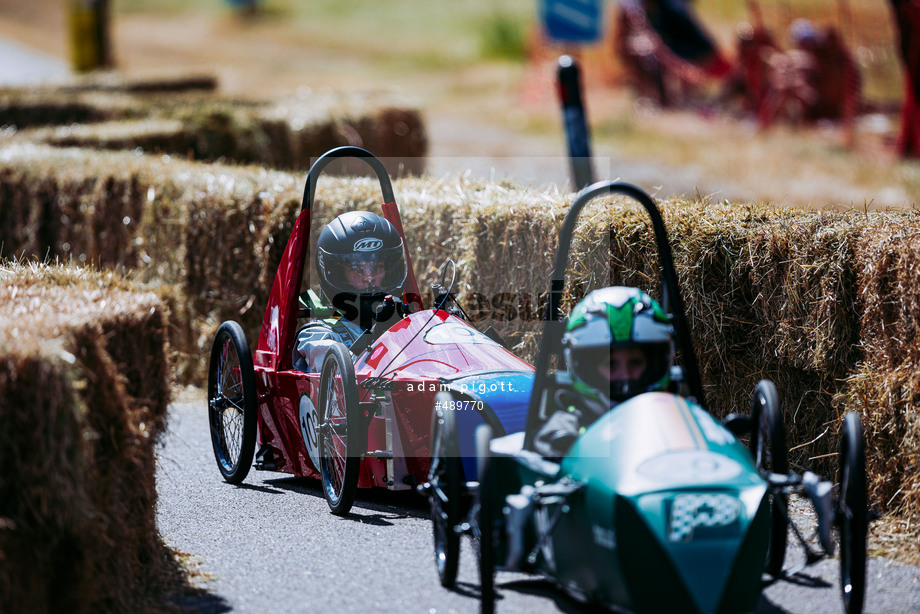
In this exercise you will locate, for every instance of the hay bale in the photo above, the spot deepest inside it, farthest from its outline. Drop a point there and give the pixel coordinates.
(189, 230)
(70, 206)
(109, 112)
(148, 135)
(156, 82)
(772, 296)
(291, 134)
(84, 388)
(885, 386)
(27, 107)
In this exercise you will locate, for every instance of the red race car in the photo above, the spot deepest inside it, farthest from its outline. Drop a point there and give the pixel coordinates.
(364, 418)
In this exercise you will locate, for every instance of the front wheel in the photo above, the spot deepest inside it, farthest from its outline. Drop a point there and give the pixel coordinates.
(232, 402)
(768, 447)
(852, 514)
(340, 439)
(486, 522)
(445, 489)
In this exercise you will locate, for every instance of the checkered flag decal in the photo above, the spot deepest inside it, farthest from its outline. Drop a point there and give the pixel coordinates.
(708, 510)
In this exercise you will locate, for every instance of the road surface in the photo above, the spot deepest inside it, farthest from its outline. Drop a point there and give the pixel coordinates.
(21, 65)
(272, 545)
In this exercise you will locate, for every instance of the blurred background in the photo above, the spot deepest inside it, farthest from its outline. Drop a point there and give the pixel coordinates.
(796, 103)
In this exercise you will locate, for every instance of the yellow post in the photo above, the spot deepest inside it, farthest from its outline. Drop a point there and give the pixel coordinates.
(89, 37)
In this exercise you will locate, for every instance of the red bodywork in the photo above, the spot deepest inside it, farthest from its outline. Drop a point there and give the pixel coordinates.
(413, 354)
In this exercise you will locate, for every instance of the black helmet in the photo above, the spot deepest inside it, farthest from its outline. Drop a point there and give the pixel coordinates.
(360, 253)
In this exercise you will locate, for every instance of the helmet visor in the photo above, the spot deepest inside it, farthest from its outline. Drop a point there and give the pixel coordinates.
(623, 370)
(381, 271)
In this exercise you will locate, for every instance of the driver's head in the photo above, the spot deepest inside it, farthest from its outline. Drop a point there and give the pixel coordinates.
(618, 343)
(360, 253)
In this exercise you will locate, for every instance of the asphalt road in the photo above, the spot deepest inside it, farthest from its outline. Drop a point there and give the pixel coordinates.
(271, 545)
(21, 65)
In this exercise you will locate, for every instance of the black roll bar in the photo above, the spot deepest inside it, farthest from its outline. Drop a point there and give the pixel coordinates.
(347, 151)
(672, 300)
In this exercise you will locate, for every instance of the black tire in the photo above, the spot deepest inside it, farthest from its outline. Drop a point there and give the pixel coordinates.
(340, 440)
(232, 402)
(768, 447)
(852, 514)
(486, 524)
(444, 477)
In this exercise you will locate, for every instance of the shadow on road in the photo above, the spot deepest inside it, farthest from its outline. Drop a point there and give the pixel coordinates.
(765, 606)
(266, 490)
(394, 504)
(807, 580)
(200, 601)
(570, 605)
(466, 589)
(544, 588)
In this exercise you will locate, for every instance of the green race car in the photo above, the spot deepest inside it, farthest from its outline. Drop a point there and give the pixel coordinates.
(657, 506)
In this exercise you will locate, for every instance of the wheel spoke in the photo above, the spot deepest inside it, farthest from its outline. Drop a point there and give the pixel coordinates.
(225, 366)
(235, 403)
(335, 468)
(340, 467)
(338, 464)
(340, 442)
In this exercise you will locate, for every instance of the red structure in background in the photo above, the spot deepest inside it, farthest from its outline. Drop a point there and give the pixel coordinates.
(665, 50)
(669, 56)
(907, 19)
(751, 74)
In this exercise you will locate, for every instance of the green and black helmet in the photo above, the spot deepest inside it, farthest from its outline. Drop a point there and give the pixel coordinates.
(618, 343)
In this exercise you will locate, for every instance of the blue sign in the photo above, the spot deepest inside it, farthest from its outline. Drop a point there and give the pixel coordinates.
(572, 21)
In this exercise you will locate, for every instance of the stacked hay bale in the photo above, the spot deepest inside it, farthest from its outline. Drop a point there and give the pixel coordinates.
(208, 238)
(199, 235)
(151, 117)
(141, 82)
(885, 385)
(84, 387)
(820, 302)
(25, 108)
(94, 98)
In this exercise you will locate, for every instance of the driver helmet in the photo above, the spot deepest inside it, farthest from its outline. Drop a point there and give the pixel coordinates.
(618, 343)
(360, 253)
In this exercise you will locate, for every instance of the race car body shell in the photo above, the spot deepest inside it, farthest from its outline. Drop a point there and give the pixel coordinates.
(668, 497)
(424, 353)
(675, 500)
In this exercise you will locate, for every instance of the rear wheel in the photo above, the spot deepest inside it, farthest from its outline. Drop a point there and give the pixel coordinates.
(486, 523)
(444, 479)
(768, 447)
(852, 514)
(232, 402)
(340, 439)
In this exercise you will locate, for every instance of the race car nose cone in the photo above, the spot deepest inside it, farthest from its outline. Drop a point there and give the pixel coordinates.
(695, 543)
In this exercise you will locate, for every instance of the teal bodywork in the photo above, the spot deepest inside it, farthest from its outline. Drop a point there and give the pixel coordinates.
(671, 514)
